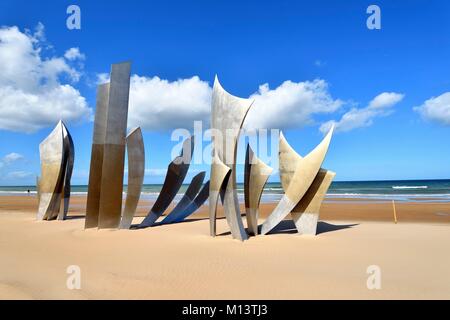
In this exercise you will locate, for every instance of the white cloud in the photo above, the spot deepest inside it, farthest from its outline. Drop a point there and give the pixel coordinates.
(33, 94)
(158, 104)
(385, 100)
(12, 157)
(19, 175)
(380, 106)
(102, 78)
(74, 54)
(436, 109)
(292, 104)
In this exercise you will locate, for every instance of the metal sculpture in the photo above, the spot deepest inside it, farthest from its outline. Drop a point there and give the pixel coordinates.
(104, 205)
(199, 200)
(110, 207)
(220, 174)
(176, 172)
(296, 182)
(98, 144)
(306, 212)
(304, 181)
(256, 174)
(69, 158)
(57, 155)
(187, 198)
(136, 170)
(227, 116)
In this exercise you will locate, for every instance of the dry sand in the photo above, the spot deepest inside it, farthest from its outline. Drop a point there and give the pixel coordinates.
(181, 261)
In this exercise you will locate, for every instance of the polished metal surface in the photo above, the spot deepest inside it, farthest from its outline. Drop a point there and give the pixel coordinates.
(136, 170)
(227, 116)
(187, 198)
(176, 172)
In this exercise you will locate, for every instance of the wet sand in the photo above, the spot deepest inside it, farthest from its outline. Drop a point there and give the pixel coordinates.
(334, 209)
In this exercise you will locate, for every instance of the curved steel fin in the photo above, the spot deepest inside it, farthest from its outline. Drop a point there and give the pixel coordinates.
(305, 173)
(194, 205)
(136, 170)
(306, 212)
(188, 197)
(50, 185)
(69, 158)
(227, 117)
(256, 174)
(176, 172)
(219, 175)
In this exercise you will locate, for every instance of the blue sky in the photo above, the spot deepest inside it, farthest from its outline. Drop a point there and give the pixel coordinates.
(322, 48)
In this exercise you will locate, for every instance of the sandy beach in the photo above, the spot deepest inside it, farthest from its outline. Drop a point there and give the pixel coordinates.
(181, 261)
(332, 209)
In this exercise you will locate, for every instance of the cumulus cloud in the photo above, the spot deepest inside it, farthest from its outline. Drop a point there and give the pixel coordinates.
(11, 157)
(74, 54)
(380, 106)
(436, 109)
(292, 104)
(35, 91)
(158, 104)
(385, 100)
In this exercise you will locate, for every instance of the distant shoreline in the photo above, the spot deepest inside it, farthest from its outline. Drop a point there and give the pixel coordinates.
(273, 198)
(437, 190)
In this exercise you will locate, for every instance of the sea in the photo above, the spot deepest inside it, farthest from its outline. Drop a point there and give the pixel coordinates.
(399, 190)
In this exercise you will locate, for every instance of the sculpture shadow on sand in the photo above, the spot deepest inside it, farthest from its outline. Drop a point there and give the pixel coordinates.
(160, 223)
(288, 227)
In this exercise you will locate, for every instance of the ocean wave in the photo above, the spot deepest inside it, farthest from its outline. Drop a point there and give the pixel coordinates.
(409, 187)
(16, 192)
(265, 193)
(427, 195)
